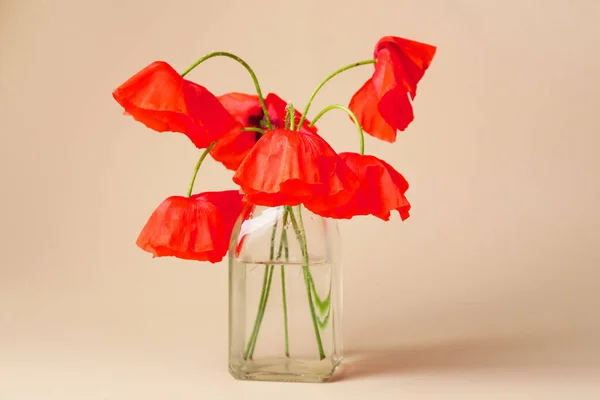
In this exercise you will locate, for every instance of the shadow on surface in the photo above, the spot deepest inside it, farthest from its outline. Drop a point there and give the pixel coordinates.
(519, 353)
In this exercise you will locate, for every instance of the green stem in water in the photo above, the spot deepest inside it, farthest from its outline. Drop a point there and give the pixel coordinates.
(245, 65)
(271, 269)
(300, 234)
(351, 114)
(283, 247)
(283, 291)
(308, 275)
(264, 297)
(197, 167)
(257, 319)
(314, 315)
(339, 71)
(322, 305)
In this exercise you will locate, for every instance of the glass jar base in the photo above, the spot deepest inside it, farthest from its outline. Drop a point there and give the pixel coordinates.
(284, 370)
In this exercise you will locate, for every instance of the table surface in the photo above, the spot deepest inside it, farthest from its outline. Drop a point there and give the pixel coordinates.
(91, 348)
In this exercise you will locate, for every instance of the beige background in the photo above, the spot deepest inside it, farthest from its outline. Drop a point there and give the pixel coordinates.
(489, 291)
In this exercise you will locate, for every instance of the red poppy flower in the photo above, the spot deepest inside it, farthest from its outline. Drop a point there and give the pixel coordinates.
(161, 99)
(277, 108)
(382, 104)
(382, 190)
(290, 168)
(192, 228)
(246, 109)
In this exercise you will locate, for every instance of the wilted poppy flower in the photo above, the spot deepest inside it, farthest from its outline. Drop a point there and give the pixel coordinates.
(161, 99)
(246, 109)
(192, 228)
(382, 104)
(277, 108)
(290, 168)
(381, 190)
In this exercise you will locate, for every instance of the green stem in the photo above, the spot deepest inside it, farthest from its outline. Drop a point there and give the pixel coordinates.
(289, 117)
(292, 117)
(283, 247)
(264, 297)
(354, 119)
(283, 294)
(197, 167)
(313, 314)
(322, 305)
(253, 129)
(339, 71)
(271, 269)
(245, 65)
(301, 235)
(257, 319)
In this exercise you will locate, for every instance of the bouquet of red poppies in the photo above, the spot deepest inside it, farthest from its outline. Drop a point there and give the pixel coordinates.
(278, 156)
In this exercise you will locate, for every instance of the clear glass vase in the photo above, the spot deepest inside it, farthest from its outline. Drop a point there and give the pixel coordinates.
(285, 296)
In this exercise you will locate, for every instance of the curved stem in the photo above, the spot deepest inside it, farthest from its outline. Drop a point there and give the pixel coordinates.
(322, 304)
(245, 65)
(339, 71)
(197, 167)
(253, 129)
(351, 114)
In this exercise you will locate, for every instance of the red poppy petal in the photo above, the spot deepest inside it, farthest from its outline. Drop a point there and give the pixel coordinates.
(381, 190)
(231, 149)
(242, 106)
(364, 104)
(196, 228)
(161, 99)
(290, 168)
(171, 232)
(205, 109)
(393, 187)
(228, 202)
(414, 57)
(394, 105)
(247, 110)
(382, 104)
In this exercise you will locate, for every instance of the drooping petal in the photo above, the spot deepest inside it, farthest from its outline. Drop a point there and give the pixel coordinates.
(290, 168)
(233, 147)
(410, 58)
(364, 104)
(383, 105)
(245, 108)
(394, 105)
(161, 99)
(192, 228)
(382, 190)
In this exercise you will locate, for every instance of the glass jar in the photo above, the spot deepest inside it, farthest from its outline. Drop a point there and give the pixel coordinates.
(285, 296)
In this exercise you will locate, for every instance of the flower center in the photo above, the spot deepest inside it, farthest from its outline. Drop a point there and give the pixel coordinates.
(255, 119)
